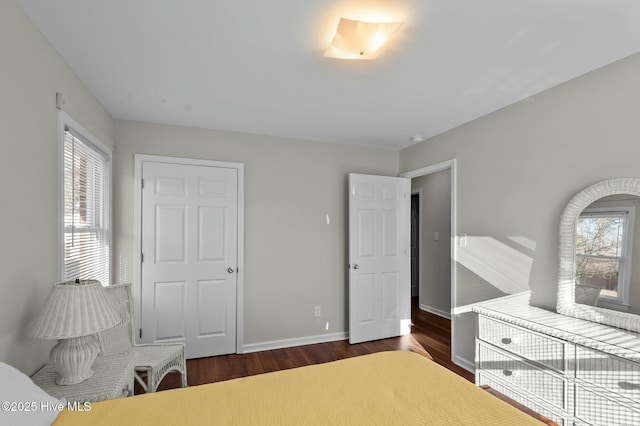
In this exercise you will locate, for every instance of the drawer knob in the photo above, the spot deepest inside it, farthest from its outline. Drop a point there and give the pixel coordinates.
(628, 385)
(510, 373)
(509, 340)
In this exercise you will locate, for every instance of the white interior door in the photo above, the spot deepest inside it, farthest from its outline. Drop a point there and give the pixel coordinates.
(189, 256)
(379, 257)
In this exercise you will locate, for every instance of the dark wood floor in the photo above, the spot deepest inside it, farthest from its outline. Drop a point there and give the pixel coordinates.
(430, 336)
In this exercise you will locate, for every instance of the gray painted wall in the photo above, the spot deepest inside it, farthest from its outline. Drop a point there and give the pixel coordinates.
(31, 72)
(518, 168)
(293, 259)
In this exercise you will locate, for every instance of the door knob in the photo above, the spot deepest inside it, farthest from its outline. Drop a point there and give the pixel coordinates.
(356, 266)
(230, 270)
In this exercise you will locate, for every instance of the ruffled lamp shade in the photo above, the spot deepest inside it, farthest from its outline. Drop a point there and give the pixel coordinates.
(73, 313)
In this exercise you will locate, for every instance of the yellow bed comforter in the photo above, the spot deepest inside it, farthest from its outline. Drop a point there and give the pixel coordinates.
(388, 388)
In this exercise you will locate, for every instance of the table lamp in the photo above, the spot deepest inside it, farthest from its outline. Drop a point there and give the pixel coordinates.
(73, 313)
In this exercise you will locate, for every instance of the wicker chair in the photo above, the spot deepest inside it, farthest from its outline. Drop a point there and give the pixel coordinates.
(153, 361)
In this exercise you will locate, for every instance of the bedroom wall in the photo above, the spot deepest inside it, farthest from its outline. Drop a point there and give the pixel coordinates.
(31, 72)
(517, 169)
(435, 255)
(293, 259)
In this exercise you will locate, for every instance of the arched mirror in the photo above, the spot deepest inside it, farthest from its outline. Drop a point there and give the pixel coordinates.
(599, 271)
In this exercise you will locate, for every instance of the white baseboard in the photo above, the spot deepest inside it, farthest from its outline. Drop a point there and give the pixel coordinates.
(435, 311)
(465, 363)
(300, 341)
(332, 337)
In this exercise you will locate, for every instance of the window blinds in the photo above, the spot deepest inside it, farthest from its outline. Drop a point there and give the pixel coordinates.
(86, 210)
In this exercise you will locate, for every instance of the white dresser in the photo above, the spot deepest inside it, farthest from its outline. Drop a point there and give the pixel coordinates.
(572, 371)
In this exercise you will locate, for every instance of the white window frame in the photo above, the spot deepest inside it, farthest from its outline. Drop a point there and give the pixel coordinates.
(64, 121)
(621, 302)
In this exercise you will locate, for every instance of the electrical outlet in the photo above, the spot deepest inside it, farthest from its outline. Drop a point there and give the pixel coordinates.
(316, 312)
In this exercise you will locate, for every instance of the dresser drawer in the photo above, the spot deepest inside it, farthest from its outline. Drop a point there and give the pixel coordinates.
(526, 343)
(545, 385)
(596, 410)
(538, 406)
(609, 372)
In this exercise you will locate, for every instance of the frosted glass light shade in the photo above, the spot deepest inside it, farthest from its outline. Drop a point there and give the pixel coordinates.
(360, 39)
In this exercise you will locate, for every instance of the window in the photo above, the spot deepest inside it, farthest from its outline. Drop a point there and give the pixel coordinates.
(86, 207)
(603, 249)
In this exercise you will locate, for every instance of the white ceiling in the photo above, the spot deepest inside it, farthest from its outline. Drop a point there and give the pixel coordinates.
(256, 65)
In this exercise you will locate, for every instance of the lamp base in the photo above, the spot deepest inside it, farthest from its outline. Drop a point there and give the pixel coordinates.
(73, 359)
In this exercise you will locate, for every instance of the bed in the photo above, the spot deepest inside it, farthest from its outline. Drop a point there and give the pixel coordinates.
(387, 388)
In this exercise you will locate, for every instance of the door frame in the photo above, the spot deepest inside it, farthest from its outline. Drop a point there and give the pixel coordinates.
(450, 165)
(136, 287)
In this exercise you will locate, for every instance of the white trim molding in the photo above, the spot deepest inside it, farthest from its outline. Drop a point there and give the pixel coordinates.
(435, 311)
(299, 341)
(464, 363)
(137, 233)
(450, 165)
(65, 120)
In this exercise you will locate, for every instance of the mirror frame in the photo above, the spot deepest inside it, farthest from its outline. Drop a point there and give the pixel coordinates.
(566, 303)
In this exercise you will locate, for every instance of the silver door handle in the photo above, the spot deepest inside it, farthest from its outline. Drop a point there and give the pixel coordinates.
(356, 266)
(230, 270)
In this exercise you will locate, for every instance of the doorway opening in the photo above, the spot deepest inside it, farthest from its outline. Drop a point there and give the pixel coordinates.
(415, 243)
(435, 187)
(431, 212)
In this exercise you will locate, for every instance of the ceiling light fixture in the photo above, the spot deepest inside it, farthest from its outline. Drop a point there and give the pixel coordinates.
(360, 39)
